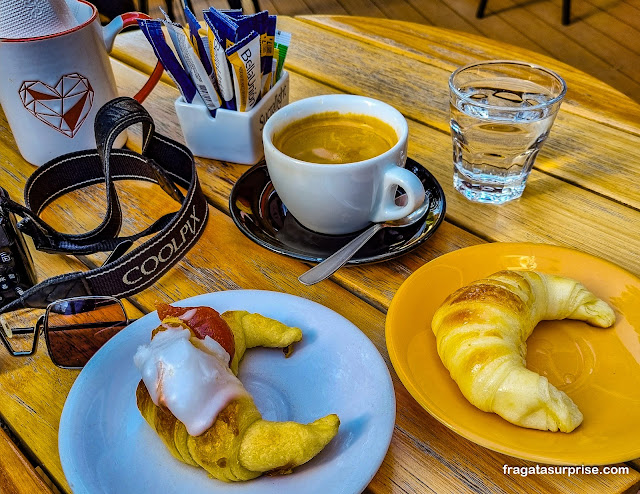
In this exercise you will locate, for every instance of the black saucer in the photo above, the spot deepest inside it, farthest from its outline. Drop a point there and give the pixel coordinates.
(259, 213)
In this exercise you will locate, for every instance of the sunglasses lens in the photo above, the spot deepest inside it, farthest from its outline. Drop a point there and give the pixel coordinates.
(77, 328)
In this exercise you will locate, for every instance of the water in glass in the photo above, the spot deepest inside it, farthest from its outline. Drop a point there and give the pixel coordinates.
(498, 125)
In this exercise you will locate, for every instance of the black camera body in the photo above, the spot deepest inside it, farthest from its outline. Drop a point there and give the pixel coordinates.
(16, 265)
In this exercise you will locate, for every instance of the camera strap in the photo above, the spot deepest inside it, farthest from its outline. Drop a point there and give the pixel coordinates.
(163, 161)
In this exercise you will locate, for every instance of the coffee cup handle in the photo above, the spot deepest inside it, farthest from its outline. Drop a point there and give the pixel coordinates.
(109, 33)
(388, 210)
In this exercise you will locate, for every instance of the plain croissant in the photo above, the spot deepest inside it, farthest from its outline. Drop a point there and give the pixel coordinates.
(240, 445)
(481, 332)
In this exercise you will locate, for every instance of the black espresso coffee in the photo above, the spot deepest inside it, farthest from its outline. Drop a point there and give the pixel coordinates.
(334, 138)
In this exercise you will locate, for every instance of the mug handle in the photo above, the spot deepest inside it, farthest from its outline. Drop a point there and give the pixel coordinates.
(388, 210)
(109, 33)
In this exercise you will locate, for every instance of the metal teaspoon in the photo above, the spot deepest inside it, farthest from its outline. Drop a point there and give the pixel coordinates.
(338, 259)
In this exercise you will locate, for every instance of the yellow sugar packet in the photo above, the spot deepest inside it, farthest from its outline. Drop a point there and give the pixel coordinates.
(220, 64)
(244, 57)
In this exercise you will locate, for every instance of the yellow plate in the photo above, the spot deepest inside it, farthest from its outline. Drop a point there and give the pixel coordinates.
(598, 368)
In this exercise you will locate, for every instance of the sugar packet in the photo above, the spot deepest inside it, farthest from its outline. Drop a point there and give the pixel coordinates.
(217, 44)
(244, 57)
(152, 29)
(191, 62)
(281, 45)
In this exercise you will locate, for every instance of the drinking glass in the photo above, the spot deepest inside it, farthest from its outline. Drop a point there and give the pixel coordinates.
(501, 114)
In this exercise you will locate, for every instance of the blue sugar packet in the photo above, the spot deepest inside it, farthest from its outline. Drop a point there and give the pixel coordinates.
(196, 40)
(152, 29)
(224, 25)
(247, 23)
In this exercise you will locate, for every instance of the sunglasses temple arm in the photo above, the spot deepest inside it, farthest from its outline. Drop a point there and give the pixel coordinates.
(91, 325)
(22, 330)
(3, 337)
(36, 336)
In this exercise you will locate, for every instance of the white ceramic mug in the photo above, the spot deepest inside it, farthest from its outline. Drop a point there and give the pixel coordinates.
(52, 86)
(344, 198)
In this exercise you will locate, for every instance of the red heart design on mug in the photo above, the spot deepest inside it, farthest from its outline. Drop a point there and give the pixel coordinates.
(64, 106)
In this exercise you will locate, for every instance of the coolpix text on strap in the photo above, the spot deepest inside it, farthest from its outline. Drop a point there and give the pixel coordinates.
(163, 161)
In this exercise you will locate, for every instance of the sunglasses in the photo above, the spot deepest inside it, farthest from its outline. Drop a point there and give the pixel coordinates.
(74, 329)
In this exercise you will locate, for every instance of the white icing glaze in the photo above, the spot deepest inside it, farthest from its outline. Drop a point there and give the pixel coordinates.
(191, 377)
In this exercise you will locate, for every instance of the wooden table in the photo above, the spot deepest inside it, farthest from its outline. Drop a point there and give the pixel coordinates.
(582, 194)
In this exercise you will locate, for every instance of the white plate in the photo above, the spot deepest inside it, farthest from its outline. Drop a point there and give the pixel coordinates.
(106, 446)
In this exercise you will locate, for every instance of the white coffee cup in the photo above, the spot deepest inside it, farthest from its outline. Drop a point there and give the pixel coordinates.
(343, 198)
(52, 86)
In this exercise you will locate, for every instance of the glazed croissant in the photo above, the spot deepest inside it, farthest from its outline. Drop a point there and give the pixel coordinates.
(481, 332)
(239, 445)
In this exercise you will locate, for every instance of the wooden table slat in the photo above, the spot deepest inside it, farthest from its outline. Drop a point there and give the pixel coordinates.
(17, 475)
